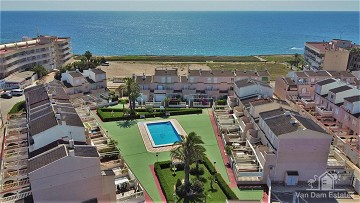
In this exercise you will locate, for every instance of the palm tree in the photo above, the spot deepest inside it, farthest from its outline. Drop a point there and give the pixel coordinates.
(296, 60)
(189, 150)
(88, 55)
(133, 91)
(166, 102)
(122, 90)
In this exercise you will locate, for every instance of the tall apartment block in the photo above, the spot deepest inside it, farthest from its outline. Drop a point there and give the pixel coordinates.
(48, 51)
(333, 55)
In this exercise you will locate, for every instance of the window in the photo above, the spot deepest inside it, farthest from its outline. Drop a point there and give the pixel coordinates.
(215, 80)
(209, 80)
(169, 79)
(163, 79)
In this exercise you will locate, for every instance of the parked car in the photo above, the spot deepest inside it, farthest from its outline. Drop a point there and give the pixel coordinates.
(17, 92)
(6, 95)
(105, 64)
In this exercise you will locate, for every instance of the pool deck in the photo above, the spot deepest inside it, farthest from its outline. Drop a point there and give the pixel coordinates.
(148, 142)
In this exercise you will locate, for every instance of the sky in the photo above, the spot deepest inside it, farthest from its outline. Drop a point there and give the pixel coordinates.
(183, 5)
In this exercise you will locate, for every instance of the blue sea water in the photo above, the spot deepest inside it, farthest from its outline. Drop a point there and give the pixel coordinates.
(183, 33)
(163, 133)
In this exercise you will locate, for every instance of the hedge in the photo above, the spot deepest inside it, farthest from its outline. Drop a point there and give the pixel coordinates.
(209, 166)
(104, 113)
(224, 187)
(168, 192)
(221, 102)
(222, 184)
(18, 107)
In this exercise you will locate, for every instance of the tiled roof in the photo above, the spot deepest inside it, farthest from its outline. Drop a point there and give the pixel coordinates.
(246, 73)
(86, 151)
(166, 72)
(282, 124)
(275, 112)
(75, 74)
(338, 74)
(42, 123)
(260, 102)
(320, 73)
(326, 81)
(47, 158)
(89, 80)
(301, 74)
(222, 73)
(353, 98)
(98, 71)
(143, 79)
(244, 83)
(340, 89)
(289, 81)
(51, 146)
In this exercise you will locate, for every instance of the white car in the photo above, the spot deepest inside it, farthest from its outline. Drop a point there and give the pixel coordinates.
(6, 95)
(17, 92)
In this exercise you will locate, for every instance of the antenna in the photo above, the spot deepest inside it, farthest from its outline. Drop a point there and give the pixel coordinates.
(37, 31)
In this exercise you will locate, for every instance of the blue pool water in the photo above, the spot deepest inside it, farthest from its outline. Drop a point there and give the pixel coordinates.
(163, 133)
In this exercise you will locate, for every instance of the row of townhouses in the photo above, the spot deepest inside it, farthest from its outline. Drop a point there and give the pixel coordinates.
(274, 143)
(48, 51)
(199, 86)
(50, 155)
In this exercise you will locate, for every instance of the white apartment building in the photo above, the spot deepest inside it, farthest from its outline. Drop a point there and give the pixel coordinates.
(48, 51)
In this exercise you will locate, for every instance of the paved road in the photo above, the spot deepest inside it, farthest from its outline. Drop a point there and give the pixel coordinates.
(7, 104)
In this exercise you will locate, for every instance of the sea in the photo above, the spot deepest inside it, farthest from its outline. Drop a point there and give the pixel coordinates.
(182, 33)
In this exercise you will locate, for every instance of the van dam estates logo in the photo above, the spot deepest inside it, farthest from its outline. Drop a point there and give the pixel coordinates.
(323, 187)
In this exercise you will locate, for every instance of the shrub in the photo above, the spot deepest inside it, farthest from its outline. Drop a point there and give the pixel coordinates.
(210, 167)
(125, 101)
(194, 171)
(221, 102)
(178, 182)
(18, 107)
(224, 187)
(228, 150)
(197, 186)
(116, 114)
(168, 190)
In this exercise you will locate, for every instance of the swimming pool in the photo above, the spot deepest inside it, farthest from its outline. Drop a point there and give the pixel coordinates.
(163, 133)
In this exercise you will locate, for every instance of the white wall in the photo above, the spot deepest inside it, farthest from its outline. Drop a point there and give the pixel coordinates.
(71, 179)
(55, 133)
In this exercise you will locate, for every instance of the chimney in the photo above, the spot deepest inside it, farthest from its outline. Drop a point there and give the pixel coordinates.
(71, 144)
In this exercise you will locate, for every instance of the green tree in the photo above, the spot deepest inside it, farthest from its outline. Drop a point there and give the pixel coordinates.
(40, 70)
(88, 55)
(190, 148)
(122, 90)
(133, 91)
(296, 59)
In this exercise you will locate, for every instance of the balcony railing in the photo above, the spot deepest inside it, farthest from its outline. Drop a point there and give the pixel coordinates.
(323, 111)
(14, 198)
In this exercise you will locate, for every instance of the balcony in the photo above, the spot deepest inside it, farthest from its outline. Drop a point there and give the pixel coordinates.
(308, 103)
(178, 105)
(323, 111)
(201, 104)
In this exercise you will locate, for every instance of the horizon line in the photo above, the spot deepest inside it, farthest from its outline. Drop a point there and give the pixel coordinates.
(191, 10)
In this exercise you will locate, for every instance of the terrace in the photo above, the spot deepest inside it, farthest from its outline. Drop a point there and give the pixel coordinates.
(14, 178)
(323, 111)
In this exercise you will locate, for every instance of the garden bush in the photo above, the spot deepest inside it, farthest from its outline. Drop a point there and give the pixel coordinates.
(18, 107)
(194, 171)
(209, 165)
(116, 114)
(221, 102)
(224, 187)
(167, 189)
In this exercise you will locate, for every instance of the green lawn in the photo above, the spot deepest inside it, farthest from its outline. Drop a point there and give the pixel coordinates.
(216, 195)
(139, 159)
(250, 194)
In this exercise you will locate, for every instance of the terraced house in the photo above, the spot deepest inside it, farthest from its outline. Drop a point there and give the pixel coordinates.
(198, 88)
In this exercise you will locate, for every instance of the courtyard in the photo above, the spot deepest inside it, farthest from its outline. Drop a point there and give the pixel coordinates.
(133, 150)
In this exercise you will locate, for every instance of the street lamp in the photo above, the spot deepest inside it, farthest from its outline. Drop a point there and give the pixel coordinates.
(157, 157)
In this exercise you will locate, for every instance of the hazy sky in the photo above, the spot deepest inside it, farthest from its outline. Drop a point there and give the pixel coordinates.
(183, 5)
